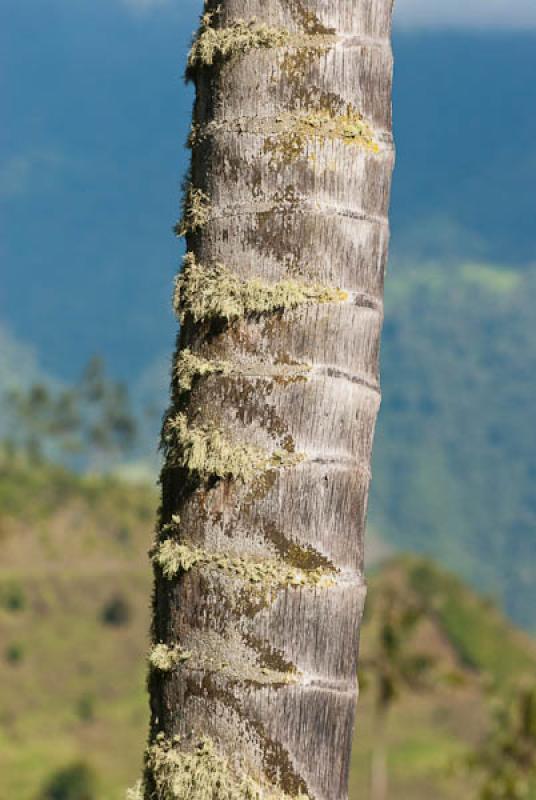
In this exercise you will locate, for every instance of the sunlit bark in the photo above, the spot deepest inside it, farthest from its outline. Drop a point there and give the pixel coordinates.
(259, 585)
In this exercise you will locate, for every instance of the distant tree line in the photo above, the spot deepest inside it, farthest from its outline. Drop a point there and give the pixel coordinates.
(89, 424)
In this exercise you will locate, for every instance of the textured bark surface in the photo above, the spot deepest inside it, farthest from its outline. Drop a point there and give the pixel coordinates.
(263, 622)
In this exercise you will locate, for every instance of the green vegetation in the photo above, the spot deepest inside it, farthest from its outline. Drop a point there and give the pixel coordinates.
(430, 734)
(90, 423)
(12, 596)
(455, 456)
(79, 688)
(506, 759)
(76, 782)
(116, 611)
(71, 686)
(395, 665)
(474, 627)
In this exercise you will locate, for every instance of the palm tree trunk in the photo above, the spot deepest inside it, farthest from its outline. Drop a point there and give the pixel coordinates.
(259, 586)
(379, 774)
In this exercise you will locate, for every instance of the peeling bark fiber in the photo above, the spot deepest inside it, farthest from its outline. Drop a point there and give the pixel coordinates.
(259, 586)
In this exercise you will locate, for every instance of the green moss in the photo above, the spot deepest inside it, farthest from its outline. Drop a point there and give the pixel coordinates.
(216, 293)
(195, 211)
(174, 558)
(206, 452)
(165, 658)
(190, 366)
(497, 280)
(202, 773)
(294, 130)
(222, 44)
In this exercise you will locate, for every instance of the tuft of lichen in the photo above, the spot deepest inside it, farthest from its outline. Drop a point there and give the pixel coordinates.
(136, 792)
(206, 452)
(202, 773)
(174, 558)
(222, 44)
(195, 211)
(292, 131)
(216, 293)
(164, 658)
(190, 366)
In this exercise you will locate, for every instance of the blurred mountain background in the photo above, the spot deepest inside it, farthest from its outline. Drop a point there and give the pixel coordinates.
(91, 161)
(74, 634)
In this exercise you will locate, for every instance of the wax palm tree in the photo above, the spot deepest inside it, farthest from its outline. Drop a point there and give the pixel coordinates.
(394, 664)
(258, 555)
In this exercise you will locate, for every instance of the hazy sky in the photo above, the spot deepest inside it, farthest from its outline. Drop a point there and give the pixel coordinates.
(423, 13)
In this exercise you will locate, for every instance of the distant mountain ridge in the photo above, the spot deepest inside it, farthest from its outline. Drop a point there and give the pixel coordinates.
(455, 452)
(91, 160)
(92, 156)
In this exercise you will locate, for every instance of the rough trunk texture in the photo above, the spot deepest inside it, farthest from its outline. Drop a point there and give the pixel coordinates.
(259, 586)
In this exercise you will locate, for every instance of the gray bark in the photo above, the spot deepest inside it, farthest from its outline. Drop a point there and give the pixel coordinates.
(270, 676)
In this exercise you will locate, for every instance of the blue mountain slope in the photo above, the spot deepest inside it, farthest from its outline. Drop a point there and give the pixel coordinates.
(92, 156)
(91, 160)
(465, 111)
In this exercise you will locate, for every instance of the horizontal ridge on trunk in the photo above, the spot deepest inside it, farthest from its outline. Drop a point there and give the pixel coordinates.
(259, 586)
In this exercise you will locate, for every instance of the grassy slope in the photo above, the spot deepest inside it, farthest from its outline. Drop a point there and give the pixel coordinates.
(77, 691)
(429, 733)
(70, 546)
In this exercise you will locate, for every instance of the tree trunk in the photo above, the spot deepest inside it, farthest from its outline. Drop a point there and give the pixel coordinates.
(379, 774)
(259, 586)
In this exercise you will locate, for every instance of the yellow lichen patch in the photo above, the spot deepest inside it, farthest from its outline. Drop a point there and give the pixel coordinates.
(165, 659)
(174, 558)
(216, 293)
(212, 44)
(195, 211)
(206, 452)
(190, 366)
(292, 131)
(136, 793)
(202, 773)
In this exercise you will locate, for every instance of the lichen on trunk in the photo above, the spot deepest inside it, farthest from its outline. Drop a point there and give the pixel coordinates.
(201, 773)
(258, 557)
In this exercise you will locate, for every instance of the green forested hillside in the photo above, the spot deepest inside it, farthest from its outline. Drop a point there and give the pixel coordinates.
(95, 136)
(455, 454)
(456, 448)
(74, 595)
